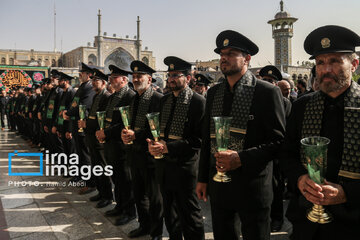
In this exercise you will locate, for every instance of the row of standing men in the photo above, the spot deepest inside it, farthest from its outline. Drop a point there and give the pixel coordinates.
(170, 187)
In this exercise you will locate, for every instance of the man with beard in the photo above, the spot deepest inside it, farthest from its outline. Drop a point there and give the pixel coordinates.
(332, 112)
(181, 115)
(202, 83)
(91, 125)
(114, 148)
(146, 189)
(257, 129)
(61, 125)
(83, 96)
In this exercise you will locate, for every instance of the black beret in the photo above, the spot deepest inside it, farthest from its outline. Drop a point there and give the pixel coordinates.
(203, 79)
(55, 73)
(115, 70)
(177, 64)
(64, 76)
(85, 68)
(99, 74)
(331, 39)
(140, 67)
(232, 39)
(271, 71)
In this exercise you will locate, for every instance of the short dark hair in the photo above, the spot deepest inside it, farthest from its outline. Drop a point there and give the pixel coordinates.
(301, 82)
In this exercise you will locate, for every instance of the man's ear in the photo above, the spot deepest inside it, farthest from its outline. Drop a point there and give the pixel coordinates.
(355, 64)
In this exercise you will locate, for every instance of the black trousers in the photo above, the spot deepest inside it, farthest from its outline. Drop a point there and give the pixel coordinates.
(148, 199)
(20, 124)
(13, 121)
(56, 142)
(255, 223)
(84, 153)
(124, 197)
(277, 206)
(182, 214)
(2, 117)
(103, 183)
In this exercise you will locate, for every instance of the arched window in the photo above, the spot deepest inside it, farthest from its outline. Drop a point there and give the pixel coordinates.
(47, 62)
(294, 76)
(145, 60)
(92, 60)
(3, 60)
(11, 61)
(53, 63)
(300, 76)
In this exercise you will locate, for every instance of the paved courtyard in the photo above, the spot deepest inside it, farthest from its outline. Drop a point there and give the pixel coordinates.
(41, 207)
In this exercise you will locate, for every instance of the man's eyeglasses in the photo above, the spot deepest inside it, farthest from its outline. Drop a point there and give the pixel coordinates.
(174, 75)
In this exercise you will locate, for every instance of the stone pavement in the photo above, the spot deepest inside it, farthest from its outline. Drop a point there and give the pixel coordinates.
(41, 207)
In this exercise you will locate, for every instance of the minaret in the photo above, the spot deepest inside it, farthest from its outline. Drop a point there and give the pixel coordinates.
(282, 32)
(99, 40)
(138, 43)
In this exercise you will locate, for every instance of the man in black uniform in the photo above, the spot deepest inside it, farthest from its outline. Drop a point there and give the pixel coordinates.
(114, 149)
(146, 189)
(202, 83)
(29, 123)
(100, 101)
(332, 112)
(61, 125)
(257, 128)
(83, 96)
(52, 104)
(44, 142)
(272, 75)
(181, 115)
(4, 99)
(33, 115)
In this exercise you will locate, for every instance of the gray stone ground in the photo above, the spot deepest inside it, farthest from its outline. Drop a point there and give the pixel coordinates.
(55, 212)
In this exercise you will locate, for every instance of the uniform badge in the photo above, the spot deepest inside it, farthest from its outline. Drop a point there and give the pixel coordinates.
(171, 66)
(94, 73)
(269, 72)
(199, 78)
(135, 69)
(51, 106)
(226, 42)
(325, 43)
(74, 104)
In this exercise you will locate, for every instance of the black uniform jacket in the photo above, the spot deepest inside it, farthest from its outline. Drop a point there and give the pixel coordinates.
(138, 151)
(113, 132)
(333, 128)
(85, 93)
(65, 101)
(178, 169)
(251, 182)
(92, 124)
(55, 95)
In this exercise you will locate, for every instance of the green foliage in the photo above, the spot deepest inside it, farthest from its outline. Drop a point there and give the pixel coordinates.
(355, 77)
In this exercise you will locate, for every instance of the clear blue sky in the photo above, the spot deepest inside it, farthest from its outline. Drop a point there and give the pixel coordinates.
(185, 28)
